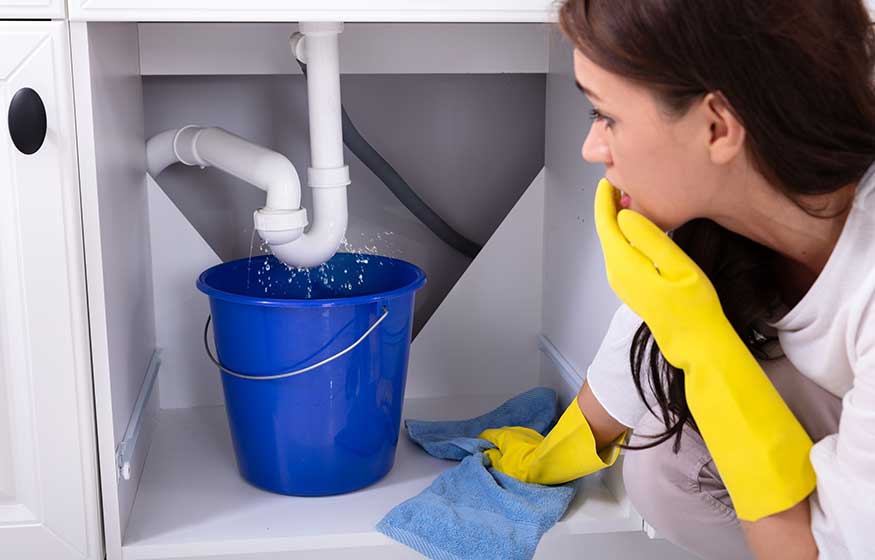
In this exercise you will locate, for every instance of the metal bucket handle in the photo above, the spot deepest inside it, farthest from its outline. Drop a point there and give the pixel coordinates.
(288, 373)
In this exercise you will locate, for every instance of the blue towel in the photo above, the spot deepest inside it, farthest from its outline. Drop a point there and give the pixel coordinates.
(472, 511)
(535, 409)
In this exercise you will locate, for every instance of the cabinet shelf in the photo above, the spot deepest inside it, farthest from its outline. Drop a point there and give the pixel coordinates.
(192, 501)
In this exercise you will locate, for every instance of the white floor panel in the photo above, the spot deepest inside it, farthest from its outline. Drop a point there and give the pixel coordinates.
(192, 501)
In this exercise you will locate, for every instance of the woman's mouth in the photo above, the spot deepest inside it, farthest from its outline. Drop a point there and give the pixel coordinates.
(625, 199)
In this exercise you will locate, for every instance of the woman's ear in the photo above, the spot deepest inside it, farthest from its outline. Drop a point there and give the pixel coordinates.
(727, 133)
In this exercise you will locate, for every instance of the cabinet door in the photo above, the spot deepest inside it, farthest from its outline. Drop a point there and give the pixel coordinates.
(31, 9)
(48, 474)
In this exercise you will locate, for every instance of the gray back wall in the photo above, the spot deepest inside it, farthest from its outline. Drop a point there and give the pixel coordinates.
(469, 145)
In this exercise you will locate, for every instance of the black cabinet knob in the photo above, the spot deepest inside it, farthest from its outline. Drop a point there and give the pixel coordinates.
(27, 121)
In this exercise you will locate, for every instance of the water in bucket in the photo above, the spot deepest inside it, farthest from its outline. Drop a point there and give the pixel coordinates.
(299, 429)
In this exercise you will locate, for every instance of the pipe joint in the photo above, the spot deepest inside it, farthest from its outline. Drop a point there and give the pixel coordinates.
(328, 178)
(185, 145)
(278, 227)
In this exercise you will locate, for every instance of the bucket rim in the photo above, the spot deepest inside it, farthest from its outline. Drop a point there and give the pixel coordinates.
(213, 292)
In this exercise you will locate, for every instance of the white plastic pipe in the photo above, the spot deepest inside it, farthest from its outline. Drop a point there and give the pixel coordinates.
(282, 219)
(160, 153)
(327, 175)
(215, 147)
(281, 222)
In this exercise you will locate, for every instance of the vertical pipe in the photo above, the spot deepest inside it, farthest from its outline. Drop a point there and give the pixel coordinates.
(323, 93)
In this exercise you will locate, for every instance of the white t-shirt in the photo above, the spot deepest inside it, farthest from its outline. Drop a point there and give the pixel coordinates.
(829, 336)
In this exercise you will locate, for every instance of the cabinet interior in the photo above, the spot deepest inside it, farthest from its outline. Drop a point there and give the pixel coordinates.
(469, 114)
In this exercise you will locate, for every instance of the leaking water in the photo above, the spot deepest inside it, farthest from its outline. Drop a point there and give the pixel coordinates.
(249, 264)
(274, 278)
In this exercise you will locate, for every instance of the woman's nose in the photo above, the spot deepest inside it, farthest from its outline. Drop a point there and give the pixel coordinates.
(595, 149)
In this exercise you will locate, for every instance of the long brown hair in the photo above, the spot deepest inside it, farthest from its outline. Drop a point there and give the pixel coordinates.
(798, 76)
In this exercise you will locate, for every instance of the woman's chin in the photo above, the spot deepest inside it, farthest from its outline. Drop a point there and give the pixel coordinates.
(635, 208)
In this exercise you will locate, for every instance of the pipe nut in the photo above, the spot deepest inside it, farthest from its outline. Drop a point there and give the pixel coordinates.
(271, 219)
(328, 178)
(185, 145)
(280, 226)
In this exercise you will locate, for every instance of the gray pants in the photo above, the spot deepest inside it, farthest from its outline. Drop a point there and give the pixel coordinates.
(683, 497)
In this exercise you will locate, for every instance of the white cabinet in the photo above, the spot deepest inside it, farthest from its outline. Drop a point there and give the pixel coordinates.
(48, 474)
(31, 9)
(323, 10)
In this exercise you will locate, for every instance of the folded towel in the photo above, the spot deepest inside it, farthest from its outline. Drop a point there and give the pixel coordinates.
(472, 511)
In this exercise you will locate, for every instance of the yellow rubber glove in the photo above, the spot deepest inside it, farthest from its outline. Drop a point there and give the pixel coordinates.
(568, 452)
(759, 447)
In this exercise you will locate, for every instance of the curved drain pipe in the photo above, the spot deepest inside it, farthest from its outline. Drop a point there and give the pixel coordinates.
(282, 221)
(327, 175)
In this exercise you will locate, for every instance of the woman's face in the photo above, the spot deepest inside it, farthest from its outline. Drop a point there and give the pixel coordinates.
(662, 163)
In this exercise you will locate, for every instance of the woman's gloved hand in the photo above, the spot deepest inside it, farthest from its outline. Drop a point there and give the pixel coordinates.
(568, 452)
(759, 447)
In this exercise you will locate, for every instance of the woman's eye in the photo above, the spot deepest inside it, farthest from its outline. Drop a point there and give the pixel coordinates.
(595, 115)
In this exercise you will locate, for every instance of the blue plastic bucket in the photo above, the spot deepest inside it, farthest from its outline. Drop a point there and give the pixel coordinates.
(332, 428)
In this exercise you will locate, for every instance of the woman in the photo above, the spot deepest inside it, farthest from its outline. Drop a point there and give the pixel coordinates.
(746, 129)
